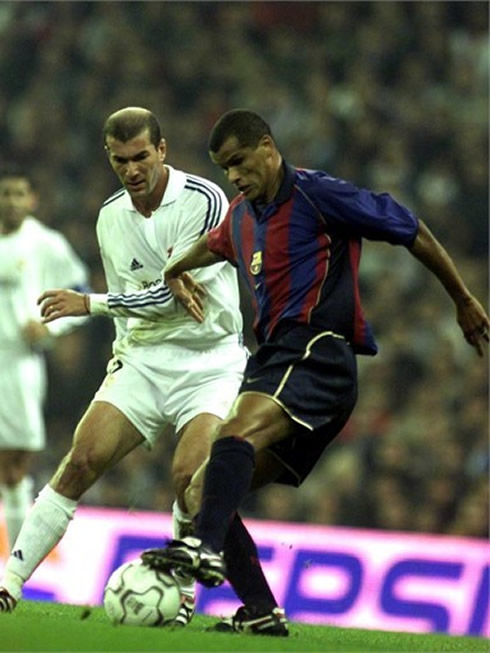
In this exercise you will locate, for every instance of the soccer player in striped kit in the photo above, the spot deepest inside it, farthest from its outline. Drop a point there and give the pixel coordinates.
(295, 236)
(167, 368)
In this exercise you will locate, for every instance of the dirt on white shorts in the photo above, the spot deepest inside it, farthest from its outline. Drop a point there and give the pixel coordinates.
(156, 386)
(22, 393)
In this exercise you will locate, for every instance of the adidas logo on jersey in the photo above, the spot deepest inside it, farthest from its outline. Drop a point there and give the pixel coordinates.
(135, 265)
(18, 554)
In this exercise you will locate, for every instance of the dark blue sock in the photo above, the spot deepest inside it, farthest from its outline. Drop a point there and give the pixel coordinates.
(244, 570)
(227, 481)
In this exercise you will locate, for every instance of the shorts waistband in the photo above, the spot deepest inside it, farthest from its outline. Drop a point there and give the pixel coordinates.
(175, 345)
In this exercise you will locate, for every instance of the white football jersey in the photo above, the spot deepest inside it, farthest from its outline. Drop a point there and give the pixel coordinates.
(136, 249)
(33, 259)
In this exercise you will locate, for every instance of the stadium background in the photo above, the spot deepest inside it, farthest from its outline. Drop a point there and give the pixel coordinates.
(391, 95)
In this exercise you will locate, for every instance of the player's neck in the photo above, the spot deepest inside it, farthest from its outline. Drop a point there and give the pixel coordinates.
(147, 205)
(276, 180)
(7, 229)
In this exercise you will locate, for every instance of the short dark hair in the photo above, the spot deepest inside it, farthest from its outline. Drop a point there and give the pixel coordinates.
(248, 128)
(15, 171)
(127, 123)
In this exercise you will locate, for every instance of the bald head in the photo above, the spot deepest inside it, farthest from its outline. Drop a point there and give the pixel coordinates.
(125, 124)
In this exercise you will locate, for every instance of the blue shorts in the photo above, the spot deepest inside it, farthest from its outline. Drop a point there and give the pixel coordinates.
(312, 375)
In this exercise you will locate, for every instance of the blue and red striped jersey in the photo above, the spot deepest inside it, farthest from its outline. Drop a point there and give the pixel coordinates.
(299, 255)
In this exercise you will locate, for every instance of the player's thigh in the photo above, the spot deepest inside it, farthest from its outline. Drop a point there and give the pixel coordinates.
(137, 391)
(204, 382)
(259, 419)
(194, 443)
(105, 435)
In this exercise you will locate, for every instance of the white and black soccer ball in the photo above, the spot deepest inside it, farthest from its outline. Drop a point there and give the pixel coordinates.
(136, 595)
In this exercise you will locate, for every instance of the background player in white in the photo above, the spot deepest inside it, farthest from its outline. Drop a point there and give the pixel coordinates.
(167, 368)
(32, 257)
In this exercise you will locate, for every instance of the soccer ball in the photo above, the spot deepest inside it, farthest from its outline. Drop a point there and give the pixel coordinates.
(136, 595)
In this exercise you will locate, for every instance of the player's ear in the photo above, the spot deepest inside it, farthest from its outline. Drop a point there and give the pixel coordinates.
(162, 150)
(267, 145)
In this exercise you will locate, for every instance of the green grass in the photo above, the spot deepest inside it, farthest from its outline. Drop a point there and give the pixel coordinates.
(54, 627)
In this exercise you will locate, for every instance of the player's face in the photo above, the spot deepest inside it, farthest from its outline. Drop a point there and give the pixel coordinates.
(137, 163)
(17, 200)
(249, 169)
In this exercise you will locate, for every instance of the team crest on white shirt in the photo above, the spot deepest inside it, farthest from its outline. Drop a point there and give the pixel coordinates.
(256, 263)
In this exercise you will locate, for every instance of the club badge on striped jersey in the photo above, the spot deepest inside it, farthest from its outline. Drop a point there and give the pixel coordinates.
(256, 263)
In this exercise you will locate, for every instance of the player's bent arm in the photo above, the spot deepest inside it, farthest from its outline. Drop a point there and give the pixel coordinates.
(151, 304)
(198, 256)
(471, 316)
(429, 251)
(177, 277)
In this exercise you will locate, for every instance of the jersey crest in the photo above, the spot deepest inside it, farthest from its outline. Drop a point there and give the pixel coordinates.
(256, 263)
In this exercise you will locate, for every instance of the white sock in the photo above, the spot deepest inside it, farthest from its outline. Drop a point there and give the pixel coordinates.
(16, 503)
(181, 527)
(41, 531)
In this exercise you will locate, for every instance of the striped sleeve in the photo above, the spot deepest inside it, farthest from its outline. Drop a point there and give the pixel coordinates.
(215, 204)
(150, 304)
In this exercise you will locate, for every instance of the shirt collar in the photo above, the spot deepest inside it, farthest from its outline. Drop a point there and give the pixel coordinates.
(286, 187)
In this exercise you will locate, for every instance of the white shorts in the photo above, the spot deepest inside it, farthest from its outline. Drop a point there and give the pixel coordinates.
(159, 385)
(22, 393)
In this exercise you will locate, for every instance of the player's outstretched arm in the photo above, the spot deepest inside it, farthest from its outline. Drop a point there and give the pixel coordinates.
(471, 315)
(187, 291)
(63, 303)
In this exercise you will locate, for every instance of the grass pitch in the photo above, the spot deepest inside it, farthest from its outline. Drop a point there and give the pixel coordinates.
(55, 627)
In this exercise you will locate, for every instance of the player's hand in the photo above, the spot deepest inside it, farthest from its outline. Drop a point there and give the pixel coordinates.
(188, 292)
(474, 322)
(62, 303)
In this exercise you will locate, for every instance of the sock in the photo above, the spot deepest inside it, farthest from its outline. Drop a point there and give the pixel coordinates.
(244, 570)
(17, 500)
(41, 531)
(227, 481)
(182, 527)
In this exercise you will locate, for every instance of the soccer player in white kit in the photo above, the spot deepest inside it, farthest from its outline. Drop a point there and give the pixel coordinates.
(32, 257)
(167, 368)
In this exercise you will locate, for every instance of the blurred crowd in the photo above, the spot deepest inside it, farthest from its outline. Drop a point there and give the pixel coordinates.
(390, 95)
